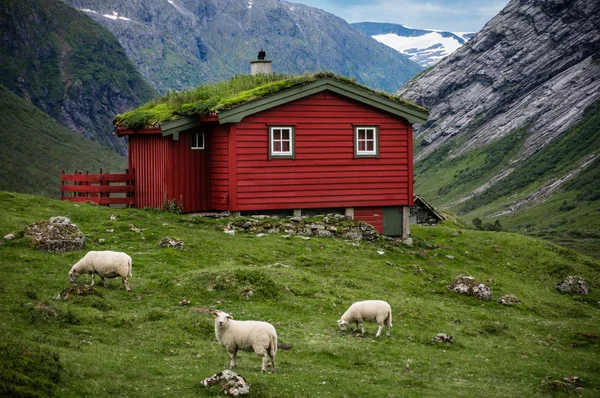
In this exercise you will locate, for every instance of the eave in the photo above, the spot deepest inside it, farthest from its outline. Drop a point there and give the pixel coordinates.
(176, 126)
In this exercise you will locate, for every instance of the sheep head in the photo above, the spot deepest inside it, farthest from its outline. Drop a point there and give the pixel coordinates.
(73, 275)
(342, 324)
(221, 318)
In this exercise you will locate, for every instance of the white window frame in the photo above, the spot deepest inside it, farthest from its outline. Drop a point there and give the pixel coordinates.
(290, 140)
(195, 139)
(371, 136)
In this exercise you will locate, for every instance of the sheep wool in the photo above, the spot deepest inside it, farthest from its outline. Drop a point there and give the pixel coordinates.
(256, 336)
(107, 264)
(377, 311)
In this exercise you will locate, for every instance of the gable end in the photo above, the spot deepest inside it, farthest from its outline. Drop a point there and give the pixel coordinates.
(236, 114)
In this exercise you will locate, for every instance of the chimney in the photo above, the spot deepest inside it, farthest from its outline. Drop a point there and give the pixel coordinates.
(260, 65)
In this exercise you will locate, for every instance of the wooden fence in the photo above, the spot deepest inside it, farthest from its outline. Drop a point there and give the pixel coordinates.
(103, 188)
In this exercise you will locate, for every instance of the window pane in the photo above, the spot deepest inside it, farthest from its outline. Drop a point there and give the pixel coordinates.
(277, 146)
(285, 146)
(285, 135)
(276, 134)
(361, 134)
(370, 146)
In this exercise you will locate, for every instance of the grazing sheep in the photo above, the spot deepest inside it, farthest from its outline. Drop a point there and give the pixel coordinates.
(107, 264)
(256, 336)
(372, 311)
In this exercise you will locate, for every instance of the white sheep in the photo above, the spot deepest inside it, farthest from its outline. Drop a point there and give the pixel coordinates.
(256, 336)
(107, 264)
(370, 310)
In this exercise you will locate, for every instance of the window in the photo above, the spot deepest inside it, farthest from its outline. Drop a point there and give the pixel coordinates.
(365, 142)
(197, 140)
(281, 142)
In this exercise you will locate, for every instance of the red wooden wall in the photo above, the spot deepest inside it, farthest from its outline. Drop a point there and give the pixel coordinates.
(168, 169)
(324, 173)
(219, 167)
(149, 156)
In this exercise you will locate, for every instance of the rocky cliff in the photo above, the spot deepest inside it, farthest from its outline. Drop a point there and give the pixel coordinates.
(179, 44)
(513, 127)
(68, 66)
(535, 65)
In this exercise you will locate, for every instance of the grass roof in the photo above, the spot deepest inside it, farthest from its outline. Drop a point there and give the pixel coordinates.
(205, 100)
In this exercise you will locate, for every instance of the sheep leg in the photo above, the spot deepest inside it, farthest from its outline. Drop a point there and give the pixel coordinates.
(265, 358)
(93, 277)
(125, 284)
(379, 331)
(233, 357)
(362, 328)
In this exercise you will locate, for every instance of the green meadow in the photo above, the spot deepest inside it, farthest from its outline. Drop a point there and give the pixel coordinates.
(145, 344)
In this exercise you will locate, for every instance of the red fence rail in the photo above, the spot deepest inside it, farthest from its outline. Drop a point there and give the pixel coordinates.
(103, 188)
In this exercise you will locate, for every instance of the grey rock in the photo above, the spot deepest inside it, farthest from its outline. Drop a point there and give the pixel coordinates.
(443, 338)
(57, 235)
(470, 286)
(509, 299)
(171, 242)
(230, 382)
(573, 284)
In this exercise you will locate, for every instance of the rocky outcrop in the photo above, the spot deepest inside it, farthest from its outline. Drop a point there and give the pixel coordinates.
(470, 286)
(57, 235)
(180, 44)
(534, 66)
(573, 284)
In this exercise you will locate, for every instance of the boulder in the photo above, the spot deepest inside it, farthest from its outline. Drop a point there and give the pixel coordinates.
(232, 383)
(58, 235)
(471, 287)
(443, 338)
(509, 299)
(169, 241)
(573, 284)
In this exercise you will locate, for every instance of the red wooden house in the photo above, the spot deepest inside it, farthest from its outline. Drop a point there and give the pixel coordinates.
(327, 144)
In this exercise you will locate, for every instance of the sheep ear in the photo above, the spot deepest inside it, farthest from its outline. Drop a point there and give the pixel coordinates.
(214, 313)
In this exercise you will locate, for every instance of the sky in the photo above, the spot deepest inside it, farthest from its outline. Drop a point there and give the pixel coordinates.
(449, 15)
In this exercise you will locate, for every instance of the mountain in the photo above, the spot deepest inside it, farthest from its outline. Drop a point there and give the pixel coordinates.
(425, 47)
(180, 44)
(34, 149)
(513, 127)
(68, 66)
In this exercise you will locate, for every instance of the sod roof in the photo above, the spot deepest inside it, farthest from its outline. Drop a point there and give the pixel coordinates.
(241, 90)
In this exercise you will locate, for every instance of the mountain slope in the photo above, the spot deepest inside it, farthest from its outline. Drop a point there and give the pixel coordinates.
(180, 44)
(425, 47)
(68, 66)
(513, 119)
(34, 149)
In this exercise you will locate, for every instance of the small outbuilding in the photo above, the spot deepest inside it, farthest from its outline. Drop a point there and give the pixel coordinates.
(422, 213)
(319, 142)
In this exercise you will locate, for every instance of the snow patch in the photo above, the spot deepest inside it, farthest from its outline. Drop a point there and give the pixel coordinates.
(429, 42)
(115, 16)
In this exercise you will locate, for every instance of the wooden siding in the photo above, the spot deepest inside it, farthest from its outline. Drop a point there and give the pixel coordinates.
(324, 172)
(219, 167)
(149, 157)
(188, 177)
(370, 215)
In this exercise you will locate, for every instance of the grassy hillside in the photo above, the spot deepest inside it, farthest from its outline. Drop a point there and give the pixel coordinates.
(570, 216)
(34, 149)
(68, 66)
(145, 344)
